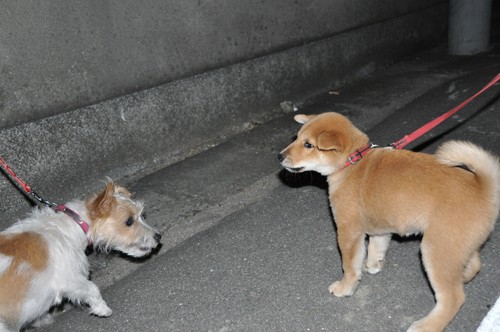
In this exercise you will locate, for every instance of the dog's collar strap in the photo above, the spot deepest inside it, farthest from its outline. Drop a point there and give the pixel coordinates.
(73, 215)
(359, 154)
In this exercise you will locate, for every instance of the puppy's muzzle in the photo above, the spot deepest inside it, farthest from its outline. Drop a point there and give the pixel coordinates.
(282, 158)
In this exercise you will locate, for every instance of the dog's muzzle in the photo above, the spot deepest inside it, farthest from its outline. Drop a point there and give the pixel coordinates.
(282, 157)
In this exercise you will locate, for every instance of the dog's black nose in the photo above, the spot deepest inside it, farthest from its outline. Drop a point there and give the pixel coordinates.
(281, 157)
(158, 237)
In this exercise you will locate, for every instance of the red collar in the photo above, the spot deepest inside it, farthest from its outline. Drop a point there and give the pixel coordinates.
(358, 154)
(73, 215)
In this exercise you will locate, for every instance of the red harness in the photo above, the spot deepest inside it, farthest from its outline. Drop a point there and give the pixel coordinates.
(358, 154)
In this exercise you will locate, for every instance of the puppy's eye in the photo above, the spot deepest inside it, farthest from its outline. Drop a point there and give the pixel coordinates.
(129, 221)
(308, 145)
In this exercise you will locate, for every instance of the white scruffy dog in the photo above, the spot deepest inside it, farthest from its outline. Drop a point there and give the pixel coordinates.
(43, 261)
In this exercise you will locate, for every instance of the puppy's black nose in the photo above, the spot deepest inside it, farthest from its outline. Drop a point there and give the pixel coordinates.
(281, 157)
(158, 237)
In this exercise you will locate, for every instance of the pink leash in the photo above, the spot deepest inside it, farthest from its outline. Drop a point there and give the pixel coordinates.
(430, 125)
(358, 154)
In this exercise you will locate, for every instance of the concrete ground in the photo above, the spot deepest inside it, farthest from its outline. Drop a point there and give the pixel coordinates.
(248, 247)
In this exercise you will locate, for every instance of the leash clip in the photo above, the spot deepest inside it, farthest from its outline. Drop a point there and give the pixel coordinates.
(40, 199)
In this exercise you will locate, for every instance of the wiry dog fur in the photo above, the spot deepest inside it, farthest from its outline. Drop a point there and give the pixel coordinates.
(452, 198)
(43, 261)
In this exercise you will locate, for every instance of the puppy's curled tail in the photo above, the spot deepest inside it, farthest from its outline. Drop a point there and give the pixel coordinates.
(485, 165)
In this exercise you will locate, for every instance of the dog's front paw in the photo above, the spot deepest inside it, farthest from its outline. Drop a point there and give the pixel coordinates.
(101, 309)
(422, 326)
(343, 288)
(43, 321)
(374, 266)
(414, 328)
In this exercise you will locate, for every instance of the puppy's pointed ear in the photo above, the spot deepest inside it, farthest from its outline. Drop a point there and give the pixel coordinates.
(100, 206)
(331, 141)
(303, 118)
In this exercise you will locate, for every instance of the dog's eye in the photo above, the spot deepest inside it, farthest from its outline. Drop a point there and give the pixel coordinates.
(308, 145)
(129, 221)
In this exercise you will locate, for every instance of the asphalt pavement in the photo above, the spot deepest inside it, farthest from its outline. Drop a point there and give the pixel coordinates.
(249, 247)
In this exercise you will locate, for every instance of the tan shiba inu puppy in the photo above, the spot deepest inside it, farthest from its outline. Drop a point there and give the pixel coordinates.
(451, 197)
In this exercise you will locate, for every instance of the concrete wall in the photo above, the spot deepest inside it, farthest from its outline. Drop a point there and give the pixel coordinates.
(90, 89)
(63, 54)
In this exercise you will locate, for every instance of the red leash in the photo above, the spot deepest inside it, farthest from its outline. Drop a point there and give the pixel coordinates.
(358, 154)
(10, 172)
(430, 125)
(33, 195)
(24, 186)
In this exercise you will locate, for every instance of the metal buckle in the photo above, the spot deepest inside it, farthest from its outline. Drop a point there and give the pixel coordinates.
(358, 155)
(355, 157)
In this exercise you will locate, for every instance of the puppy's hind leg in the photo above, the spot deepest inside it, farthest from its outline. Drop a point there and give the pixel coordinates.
(377, 247)
(445, 270)
(473, 266)
(352, 248)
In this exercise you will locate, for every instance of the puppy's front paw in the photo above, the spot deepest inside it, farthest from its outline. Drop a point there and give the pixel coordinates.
(414, 329)
(101, 309)
(422, 326)
(374, 266)
(343, 288)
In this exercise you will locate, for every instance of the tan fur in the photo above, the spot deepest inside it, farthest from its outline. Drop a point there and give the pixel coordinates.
(109, 209)
(29, 254)
(399, 191)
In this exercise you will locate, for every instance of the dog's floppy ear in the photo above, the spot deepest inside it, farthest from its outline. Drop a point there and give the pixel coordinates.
(330, 141)
(100, 205)
(303, 118)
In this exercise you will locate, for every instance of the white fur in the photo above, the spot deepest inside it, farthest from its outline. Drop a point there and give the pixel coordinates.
(67, 264)
(4, 262)
(66, 275)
